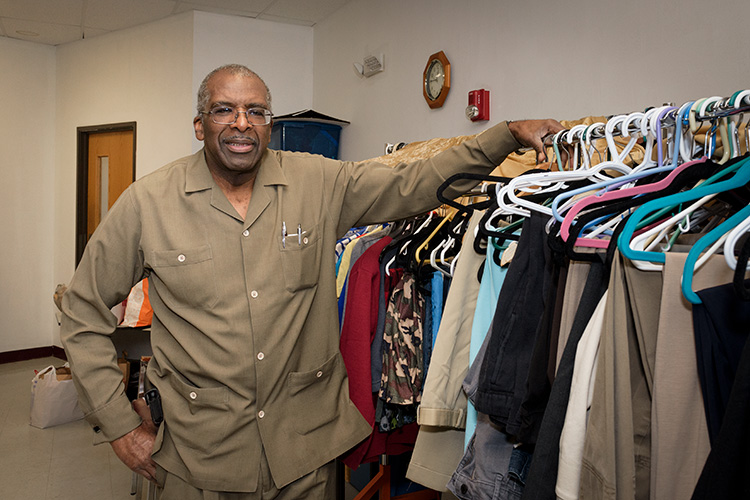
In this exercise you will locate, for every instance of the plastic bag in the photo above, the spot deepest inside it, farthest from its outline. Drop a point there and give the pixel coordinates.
(54, 400)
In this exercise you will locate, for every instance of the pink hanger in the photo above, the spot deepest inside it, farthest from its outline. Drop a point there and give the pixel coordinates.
(614, 195)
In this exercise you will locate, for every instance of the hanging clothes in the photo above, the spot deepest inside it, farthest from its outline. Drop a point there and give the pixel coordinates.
(679, 438)
(544, 468)
(355, 344)
(403, 358)
(442, 413)
(502, 380)
(493, 277)
(573, 434)
(721, 329)
(586, 380)
(725, 472)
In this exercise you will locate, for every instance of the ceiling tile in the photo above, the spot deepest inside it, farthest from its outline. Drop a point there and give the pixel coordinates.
(246, 6)
(304, 9)
(187, 6)
(60, 21)
(286, 20)
(118, 14)
(46, 11)
(50, 34)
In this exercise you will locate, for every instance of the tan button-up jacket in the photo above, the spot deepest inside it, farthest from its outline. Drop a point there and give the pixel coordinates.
(245, 328)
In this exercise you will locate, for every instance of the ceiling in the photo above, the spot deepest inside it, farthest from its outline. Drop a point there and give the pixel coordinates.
(54, 22)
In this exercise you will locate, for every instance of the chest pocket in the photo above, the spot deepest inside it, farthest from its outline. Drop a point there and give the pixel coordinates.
(187, 277)
(300, 259)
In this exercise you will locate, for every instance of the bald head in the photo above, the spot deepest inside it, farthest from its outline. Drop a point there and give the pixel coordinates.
(204, 94)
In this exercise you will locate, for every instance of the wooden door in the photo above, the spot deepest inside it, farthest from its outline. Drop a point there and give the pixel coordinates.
(110, 165)
(106, 167)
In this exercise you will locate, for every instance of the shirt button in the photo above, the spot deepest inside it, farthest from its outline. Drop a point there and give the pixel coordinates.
(246, 233)
(254, 294)
(305, 240)
(181, 258)
(261, 414)
(319, 374)
(261, 355)
(193, 395)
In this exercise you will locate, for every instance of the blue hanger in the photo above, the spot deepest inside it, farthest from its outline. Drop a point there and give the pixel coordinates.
(740, 178)
(702, 244)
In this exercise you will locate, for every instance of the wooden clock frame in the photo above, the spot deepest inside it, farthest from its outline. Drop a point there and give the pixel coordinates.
(440, 99)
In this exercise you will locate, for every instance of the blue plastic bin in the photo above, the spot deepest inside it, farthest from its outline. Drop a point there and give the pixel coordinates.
(306, 136)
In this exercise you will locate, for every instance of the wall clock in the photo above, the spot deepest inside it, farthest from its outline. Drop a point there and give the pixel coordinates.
(436, 80)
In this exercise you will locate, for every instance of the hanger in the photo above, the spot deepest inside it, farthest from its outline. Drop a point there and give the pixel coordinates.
(740, 178)
(730, 244)
(405, 246)
(605, 196)
(424, 244)
(467, 209)
(739, 99)
(533, 183)
(695, 108)
(484, 229)
(549, 182)
(702, 244)
(449, 243)
(645, 241)
(574, 137)
(655, 118)
(622, 208)
(624, 121)
(444, 253)
(615, 195)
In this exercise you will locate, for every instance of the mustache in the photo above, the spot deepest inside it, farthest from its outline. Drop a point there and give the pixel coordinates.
(241, 138)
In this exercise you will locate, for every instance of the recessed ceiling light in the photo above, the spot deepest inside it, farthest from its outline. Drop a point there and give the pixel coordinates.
(27, 33)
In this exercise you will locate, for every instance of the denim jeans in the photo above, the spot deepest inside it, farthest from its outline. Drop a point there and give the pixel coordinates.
(492, 468)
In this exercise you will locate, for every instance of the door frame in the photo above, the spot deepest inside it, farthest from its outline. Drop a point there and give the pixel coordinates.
(82, 175)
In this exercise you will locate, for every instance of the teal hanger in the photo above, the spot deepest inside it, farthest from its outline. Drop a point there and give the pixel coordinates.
(740, 178)
(702, 244)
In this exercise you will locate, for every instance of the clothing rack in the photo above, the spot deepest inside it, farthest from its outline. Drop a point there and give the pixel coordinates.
(380, 484)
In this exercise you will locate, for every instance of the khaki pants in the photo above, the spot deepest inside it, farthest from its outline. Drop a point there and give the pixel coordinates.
(320, 484)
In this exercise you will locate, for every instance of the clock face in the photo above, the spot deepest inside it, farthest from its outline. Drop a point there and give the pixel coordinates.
(435, 79)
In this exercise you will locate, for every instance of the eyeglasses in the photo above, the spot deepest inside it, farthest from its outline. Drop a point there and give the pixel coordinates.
(226, 115)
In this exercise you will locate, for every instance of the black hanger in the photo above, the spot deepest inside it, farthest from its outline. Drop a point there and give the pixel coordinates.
(466, 209)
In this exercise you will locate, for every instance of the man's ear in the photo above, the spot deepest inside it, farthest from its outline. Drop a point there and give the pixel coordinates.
(198, 126)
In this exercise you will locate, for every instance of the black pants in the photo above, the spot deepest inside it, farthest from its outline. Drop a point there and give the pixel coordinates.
(520, 307)
(725, 474)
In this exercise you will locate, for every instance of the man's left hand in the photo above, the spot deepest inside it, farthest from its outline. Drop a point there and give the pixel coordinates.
(530, 133)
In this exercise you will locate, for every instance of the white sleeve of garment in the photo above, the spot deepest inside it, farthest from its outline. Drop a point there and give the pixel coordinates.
(573, 434)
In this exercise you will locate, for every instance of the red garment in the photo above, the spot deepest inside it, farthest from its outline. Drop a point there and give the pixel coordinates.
(357, 333)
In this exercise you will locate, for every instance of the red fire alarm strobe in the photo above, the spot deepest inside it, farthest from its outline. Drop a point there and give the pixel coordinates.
(479, 105)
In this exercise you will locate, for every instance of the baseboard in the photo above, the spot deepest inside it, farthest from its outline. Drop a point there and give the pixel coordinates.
(34, 353)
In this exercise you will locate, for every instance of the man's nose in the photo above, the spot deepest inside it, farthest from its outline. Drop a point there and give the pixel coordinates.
(241, 123)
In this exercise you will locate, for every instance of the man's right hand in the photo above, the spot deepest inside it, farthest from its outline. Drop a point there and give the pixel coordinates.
(134, 448)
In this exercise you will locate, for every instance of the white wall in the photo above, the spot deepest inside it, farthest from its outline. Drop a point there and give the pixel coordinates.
(142, 74)
(27, 189)
(538, 58)
(281, 54)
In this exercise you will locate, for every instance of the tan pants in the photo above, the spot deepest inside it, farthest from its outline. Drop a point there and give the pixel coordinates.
(320, 484)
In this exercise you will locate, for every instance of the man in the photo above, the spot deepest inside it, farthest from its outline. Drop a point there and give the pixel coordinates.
(237, 242)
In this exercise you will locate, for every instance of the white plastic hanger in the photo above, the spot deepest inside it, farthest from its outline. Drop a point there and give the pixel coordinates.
(730, 244)
(405, 246)
(640, 241)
